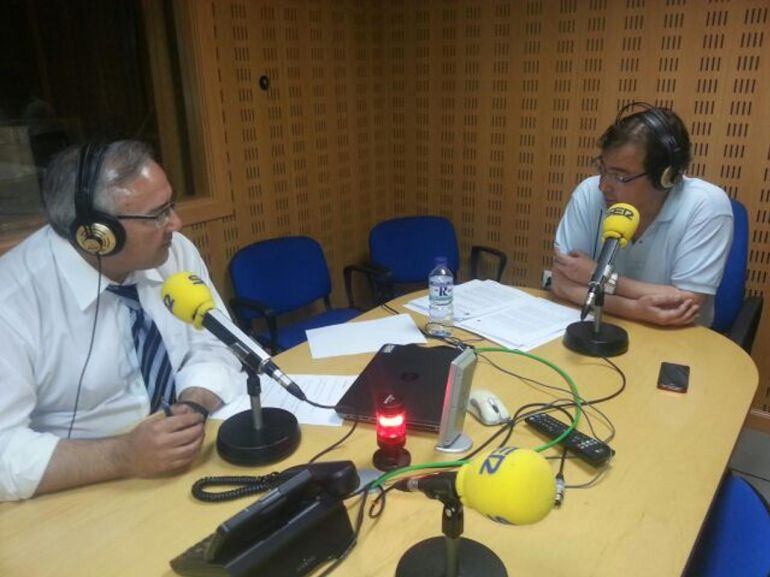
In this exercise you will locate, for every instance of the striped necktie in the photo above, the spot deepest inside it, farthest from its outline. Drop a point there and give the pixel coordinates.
(151, 352)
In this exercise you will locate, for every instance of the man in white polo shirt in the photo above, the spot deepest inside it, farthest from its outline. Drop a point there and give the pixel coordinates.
(670, 272)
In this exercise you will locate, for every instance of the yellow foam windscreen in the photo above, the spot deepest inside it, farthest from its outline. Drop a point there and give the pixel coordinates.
(187, 297)
(621, 223)
(508, 485)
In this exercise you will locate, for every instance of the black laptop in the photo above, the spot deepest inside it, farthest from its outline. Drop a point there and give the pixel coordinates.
(417, 374)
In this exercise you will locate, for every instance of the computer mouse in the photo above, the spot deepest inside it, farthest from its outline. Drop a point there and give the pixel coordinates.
(487, 408)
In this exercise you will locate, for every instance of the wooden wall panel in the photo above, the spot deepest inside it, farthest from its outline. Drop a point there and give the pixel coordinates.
(485, 111)
(309, 154)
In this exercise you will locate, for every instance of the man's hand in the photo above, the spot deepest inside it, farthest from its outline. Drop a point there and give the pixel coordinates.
(668, 308)
(160, 445)
(575, 266)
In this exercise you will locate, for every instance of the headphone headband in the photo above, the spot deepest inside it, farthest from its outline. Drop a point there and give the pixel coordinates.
(665, 135)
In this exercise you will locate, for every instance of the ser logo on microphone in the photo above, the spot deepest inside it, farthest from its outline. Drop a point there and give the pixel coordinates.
(621, 210)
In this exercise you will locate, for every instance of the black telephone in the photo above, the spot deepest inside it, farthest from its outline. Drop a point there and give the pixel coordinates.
(287, 532)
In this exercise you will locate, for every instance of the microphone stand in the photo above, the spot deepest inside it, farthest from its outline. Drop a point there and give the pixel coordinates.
(451, 555)
(260, 435)
(594, 339)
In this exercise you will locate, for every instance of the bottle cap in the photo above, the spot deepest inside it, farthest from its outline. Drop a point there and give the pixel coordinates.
(440, 260)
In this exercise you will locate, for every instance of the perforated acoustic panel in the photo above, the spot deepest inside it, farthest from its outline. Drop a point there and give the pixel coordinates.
(509, 98)
(304, 90)
(484, 111)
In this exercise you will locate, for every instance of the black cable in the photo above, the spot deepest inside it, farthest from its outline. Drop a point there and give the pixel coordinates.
(356, 532)
(90, 344)
(390, 309)
(318, 405)
(338, 443)
(246, 485)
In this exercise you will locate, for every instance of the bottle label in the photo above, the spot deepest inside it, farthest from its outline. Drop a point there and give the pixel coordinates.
(441, 294)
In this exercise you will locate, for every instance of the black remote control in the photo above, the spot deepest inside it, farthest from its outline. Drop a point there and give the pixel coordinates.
(592, 451)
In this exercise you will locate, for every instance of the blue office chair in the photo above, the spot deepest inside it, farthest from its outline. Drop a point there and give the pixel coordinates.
(735, 540)
(278, 276)
(402, 252)
(735, 316)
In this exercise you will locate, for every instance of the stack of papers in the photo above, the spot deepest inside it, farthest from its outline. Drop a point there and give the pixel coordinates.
(505, 315)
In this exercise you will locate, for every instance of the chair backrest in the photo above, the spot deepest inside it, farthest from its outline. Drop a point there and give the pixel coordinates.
(283, 273)
(736, 537)
(409, 245)
(730, 293)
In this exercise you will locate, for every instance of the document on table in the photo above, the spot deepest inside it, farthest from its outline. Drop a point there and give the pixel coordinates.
(474, 298)
(505, 314)
(363, 336)
(525, 324)
(322, 389)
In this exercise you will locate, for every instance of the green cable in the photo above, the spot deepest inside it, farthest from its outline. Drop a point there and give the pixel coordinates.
(447, 464)
(564, 375)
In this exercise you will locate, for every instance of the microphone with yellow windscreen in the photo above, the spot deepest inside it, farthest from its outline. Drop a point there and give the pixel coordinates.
(621, 223)
(592, 337)
(187, 297)
(513, 486)
(252, 437)
(508, 485)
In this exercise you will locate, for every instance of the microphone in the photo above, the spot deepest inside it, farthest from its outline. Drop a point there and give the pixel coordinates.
(509, 485)
(189, 299)
(619, 227)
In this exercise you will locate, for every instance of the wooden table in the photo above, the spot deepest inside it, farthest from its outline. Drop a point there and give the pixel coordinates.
(642, 517)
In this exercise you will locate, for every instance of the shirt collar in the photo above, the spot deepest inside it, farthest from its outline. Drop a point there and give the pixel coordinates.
(671, 204)
(82, 278)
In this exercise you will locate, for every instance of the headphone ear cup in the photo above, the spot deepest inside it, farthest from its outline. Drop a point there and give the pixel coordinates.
(103, 237)
(669, 177)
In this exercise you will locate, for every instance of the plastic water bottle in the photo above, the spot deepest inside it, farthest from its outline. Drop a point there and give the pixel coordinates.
(440, 306)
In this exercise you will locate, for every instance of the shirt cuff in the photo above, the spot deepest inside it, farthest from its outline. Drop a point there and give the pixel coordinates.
(221, 380)
(25, 457)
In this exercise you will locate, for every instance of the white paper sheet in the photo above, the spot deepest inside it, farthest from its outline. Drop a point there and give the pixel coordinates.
(322, 389)
(525, 324)
(363, 336)
(475, 298)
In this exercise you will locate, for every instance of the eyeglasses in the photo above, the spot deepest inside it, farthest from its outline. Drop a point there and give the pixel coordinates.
(598, 166)
(161, 218)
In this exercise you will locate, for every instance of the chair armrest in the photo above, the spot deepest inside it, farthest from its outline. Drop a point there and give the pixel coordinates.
(377, 275)
(238, 304)
(502, 260)
(744, 328)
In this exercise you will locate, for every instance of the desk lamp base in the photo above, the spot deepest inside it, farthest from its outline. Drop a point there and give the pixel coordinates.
(609, 341)
(238, 442)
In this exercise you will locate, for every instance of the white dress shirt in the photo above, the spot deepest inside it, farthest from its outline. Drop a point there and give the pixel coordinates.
(48, 303)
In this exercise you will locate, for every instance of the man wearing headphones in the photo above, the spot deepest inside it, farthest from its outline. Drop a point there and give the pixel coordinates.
(98, 380)
(669, 273)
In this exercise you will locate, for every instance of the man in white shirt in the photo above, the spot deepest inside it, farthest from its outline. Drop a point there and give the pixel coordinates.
(74, 404)
(670, 272)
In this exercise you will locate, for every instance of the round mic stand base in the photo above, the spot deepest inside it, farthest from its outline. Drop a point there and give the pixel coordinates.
(429, 559)
(605, 341)
(450, 555)
(238, 442)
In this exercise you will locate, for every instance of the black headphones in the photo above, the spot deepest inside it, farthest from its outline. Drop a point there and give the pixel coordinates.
(93, 231)
(666, 172)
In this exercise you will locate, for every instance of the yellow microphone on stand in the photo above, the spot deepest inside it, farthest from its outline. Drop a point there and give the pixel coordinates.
(507, 485)
(593, 338)
(260, 435)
